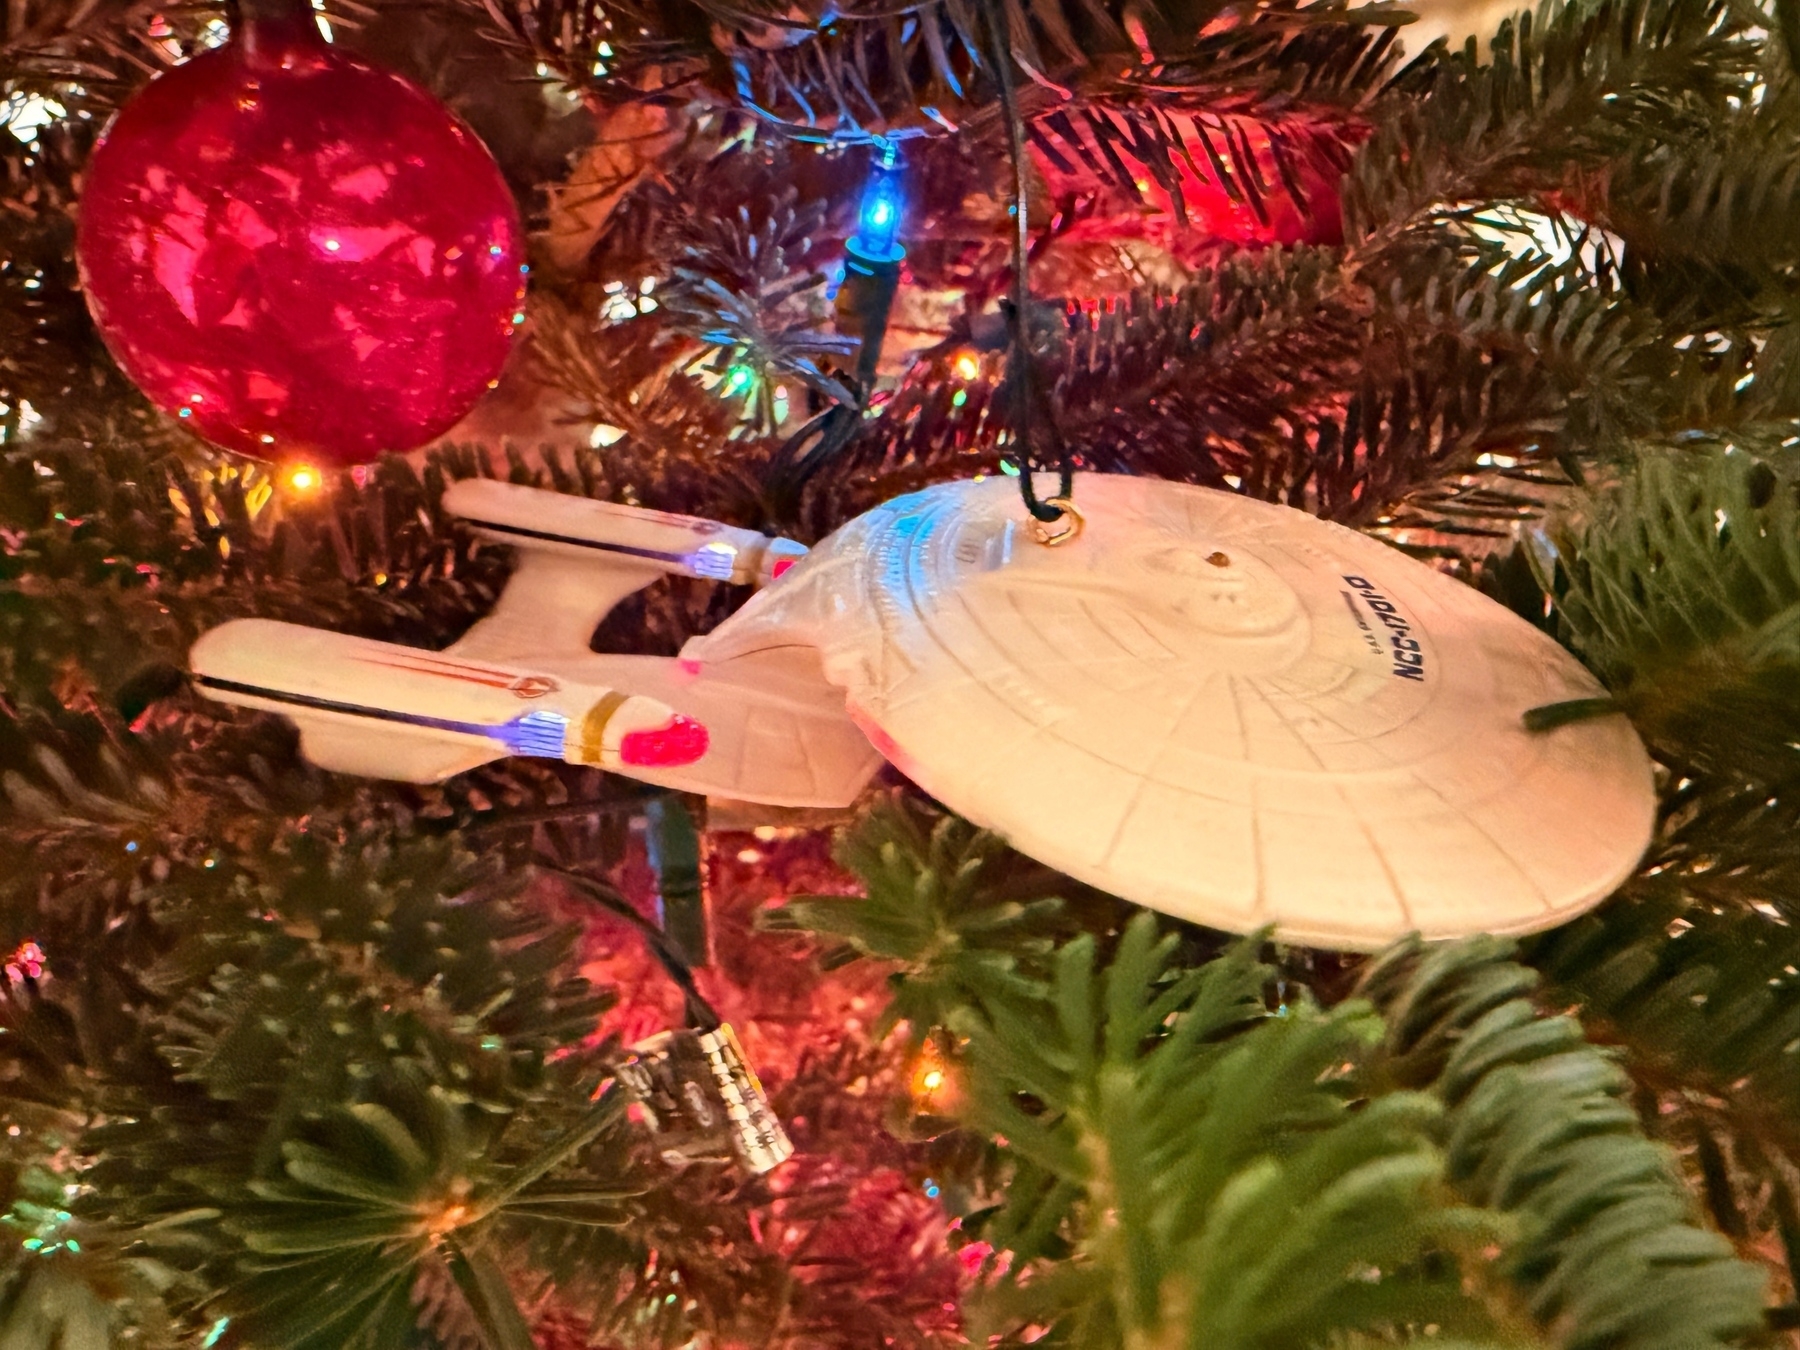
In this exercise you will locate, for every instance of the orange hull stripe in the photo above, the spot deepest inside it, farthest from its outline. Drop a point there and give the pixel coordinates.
(449, 670)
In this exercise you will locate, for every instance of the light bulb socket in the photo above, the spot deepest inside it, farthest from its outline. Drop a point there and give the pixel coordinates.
(871, 256)
(866, 296)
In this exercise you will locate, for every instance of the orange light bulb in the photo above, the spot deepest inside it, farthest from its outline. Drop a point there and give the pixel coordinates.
(933, 1087)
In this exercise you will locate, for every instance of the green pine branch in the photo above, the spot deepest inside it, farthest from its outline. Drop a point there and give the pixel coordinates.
(1181, 1140)
(1218, 1181)
(1701, 1000)
(370, 1044)
(1287, 377)
(1680, 588)
(50, 44)
(964, 922)
(1540, 1127)
(1571, 90)
(925, 69)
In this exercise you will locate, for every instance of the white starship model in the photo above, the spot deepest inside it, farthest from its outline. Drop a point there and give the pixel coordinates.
(1226, 710)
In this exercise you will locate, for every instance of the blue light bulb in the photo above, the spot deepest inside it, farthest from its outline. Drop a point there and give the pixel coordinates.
(883, 205)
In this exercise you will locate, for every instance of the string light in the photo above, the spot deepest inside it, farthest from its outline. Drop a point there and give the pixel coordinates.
(303, 478)
(865, 297)
(738, 379)
(967, 366)
(933, 1085)
(883, 208)
(25, 114)
(27, 963)
(448, 1219)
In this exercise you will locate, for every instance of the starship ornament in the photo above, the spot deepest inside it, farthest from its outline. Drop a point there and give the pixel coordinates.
(1226, 710)
(1223, 709)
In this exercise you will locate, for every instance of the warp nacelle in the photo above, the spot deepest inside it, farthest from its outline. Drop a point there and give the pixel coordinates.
(762, 727)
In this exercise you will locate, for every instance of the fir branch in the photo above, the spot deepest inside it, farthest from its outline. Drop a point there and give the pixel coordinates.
(1701, 997)
(1224, 1193)
(55, 41)
(1681, 589)
(371, 1054)
(1538, 1126)
(1250, 98)
(1287, 377)
(753, 290)
(1729, 197)
(1577, 88)
(630, 376)
(964, 924)
(1702, 1001)
(55, 376)
(1183, 386)
(1132, 1089)
(875, 73)
(1732, 841)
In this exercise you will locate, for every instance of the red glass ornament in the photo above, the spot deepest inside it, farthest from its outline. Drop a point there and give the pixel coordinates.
(298, 253)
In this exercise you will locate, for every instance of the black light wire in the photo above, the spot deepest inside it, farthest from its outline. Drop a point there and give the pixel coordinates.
(1019, 367)
(702, 1016)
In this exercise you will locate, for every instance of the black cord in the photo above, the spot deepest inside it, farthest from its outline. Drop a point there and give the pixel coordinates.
(874, 282)
(1019, 371)
(702, 1016)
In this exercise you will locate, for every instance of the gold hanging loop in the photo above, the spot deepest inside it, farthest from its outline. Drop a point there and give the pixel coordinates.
(1065, 528)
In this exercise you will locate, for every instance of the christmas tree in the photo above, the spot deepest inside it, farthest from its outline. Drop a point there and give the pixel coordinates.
(291, 1058)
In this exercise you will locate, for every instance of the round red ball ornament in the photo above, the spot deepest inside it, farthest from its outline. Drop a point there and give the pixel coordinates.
(298, 253)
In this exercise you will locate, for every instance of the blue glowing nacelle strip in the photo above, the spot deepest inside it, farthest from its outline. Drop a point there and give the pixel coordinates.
(716, 560)
(539, 734)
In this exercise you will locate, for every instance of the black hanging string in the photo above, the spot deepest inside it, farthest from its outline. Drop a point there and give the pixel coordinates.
(1020, 374)
(258, 25)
